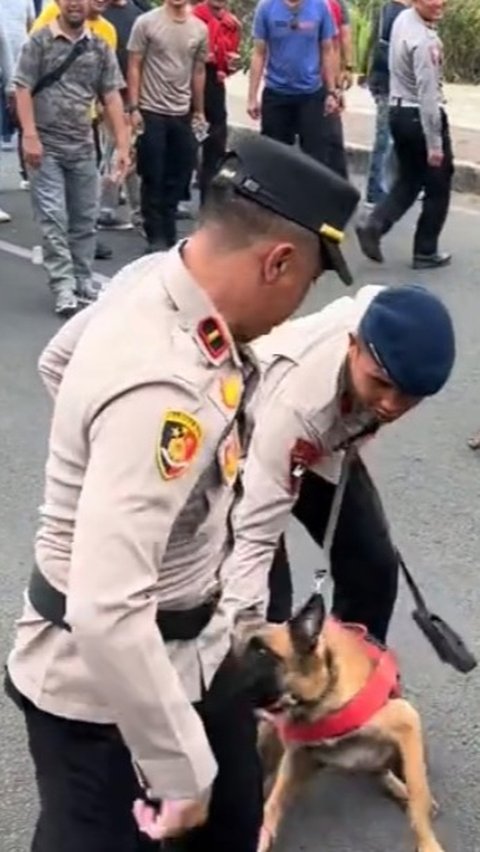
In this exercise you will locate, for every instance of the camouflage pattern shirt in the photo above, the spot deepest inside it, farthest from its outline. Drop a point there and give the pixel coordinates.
(63, 111)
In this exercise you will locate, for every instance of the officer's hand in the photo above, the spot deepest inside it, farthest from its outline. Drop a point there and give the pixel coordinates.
(253, 110)
(175, 817)
(248, 623)
(32, 150)
(435, 158)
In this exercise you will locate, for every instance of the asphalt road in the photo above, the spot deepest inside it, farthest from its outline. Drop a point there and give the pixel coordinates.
(430, 483)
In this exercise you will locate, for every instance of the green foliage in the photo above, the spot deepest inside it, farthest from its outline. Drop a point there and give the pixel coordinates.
(460, 31)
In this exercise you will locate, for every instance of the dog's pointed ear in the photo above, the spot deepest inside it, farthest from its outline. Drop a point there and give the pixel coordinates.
(306, 625)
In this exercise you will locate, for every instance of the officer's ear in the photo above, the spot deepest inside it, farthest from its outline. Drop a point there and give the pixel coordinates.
(277, 262)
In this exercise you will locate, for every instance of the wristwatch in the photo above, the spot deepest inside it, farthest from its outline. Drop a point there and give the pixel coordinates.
(132, 108)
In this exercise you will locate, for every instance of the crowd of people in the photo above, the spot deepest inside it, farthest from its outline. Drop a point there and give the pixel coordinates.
(172, 62)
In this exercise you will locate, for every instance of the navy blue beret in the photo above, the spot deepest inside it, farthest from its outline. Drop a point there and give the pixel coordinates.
(410, 333)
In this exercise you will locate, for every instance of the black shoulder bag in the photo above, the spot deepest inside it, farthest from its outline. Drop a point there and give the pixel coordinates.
(53, 76)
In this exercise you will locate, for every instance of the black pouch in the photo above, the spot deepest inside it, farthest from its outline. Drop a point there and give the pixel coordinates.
(445, 641)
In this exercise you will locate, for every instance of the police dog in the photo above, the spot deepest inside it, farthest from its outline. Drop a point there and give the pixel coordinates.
(307, 669)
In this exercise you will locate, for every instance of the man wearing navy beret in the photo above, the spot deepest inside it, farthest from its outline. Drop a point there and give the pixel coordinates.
(329, 380)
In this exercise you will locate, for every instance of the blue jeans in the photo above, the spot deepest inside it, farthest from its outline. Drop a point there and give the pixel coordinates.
(379, 179)
(65, 203)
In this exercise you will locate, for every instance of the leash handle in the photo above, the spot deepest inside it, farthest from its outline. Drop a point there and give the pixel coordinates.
(417, 596)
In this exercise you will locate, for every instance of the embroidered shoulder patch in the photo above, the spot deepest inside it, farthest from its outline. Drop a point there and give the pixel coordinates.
(178, 443)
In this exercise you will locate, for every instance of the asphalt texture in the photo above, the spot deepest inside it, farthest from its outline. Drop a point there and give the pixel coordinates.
(430, 483)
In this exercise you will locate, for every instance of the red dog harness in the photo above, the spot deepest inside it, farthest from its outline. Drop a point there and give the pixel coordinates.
(383, 684)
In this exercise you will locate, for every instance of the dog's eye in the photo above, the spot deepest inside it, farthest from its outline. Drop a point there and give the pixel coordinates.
(261, 649)
(258, 646)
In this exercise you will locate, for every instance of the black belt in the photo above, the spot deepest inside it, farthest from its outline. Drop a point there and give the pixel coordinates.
(182, 625)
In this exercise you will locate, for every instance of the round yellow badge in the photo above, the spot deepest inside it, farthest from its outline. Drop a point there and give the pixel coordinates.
(232, 388)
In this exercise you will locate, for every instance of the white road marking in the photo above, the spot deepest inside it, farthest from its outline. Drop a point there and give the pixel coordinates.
(26, 254)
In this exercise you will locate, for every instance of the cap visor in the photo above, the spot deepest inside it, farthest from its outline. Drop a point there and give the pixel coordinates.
(334, 259)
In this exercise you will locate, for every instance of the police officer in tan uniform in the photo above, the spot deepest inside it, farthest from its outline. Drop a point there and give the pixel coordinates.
(121, 662)
(330, 380)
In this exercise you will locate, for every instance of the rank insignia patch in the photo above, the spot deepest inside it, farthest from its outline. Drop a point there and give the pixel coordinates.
(231, 390)
(178, 444)
(212, 337)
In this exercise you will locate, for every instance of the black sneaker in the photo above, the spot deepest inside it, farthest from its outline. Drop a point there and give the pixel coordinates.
(431, 261)
(102, 252)
(369, 239)
(110, 222)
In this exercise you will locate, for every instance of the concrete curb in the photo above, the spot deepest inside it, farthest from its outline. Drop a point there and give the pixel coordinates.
(465, 179)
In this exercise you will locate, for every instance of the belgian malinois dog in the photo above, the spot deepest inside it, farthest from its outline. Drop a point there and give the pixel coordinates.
(310, 668)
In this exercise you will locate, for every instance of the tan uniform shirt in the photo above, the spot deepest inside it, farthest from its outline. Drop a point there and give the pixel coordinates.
(298, 406)
(139, 489)
(169, 50)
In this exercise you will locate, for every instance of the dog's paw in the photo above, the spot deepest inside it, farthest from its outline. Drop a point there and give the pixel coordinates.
(431, 846)
(265, 842)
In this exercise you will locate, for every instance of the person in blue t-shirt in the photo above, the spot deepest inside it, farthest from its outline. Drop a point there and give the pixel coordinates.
(293, 51)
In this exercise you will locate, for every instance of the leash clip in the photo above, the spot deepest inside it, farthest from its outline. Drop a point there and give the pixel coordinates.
(319, 580)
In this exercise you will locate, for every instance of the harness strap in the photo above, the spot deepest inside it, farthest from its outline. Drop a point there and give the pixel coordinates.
(182, 625)
(383, 684)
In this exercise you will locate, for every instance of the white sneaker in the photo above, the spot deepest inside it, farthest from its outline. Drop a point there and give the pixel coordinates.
(87, 292)
(66, 304)
(25, 184)
(4, 216)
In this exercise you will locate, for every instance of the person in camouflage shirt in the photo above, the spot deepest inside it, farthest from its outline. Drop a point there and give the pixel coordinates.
(58, 144)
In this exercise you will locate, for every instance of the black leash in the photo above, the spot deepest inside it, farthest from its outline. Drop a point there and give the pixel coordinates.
(445, 641)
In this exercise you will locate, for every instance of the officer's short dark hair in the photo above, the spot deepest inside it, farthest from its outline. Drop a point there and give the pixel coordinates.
(242, 222)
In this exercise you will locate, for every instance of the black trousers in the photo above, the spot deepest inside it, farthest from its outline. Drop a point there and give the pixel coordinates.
(214, 146)
(413, 175)
(165, 159)
(363, 561)
(286, 117)
(87, 786)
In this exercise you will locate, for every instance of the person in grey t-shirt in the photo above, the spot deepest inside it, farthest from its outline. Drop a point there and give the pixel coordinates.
(421, 136)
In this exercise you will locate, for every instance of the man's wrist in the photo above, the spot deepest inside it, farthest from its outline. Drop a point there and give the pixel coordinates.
(132, 108)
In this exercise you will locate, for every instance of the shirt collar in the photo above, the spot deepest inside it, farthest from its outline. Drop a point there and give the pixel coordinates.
(57, 32)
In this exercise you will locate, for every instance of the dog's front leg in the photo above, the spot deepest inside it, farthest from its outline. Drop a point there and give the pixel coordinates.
(296, 767)
(402, 722)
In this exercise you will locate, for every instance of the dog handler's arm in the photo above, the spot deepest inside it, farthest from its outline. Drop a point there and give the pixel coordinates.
(270, 491)
(125, 515)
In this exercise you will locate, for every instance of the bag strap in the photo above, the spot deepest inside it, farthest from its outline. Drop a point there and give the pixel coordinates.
(53, 76)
